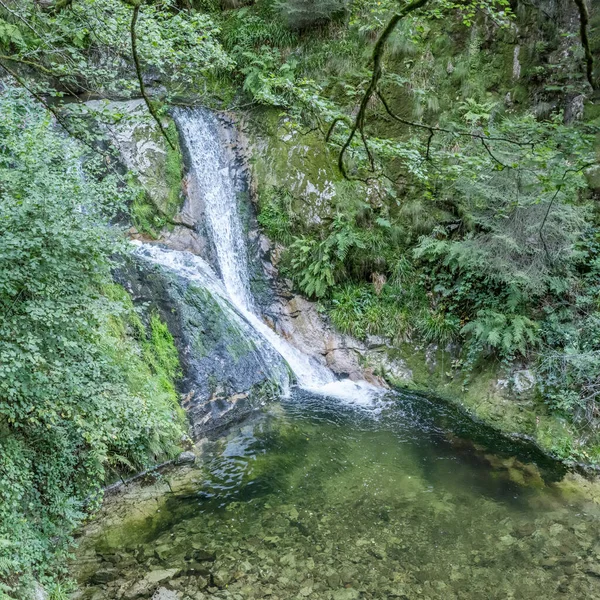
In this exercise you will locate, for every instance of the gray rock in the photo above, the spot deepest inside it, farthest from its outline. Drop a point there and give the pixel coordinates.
(346, 594)
(162, 552)
(198, 569)
(221, 578)
(523, 381)
(141, 145)
(139, 589)
(159, 575)
(102, 576)
(200, 554)
(165, 594)
(224, 368)
(39, 593)
(593, 570)
(186, 458)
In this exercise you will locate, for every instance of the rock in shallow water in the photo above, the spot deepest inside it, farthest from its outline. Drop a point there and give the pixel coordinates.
(159, 575)
(165, 594)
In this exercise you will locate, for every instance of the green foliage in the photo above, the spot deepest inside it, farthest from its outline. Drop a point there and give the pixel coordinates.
(312, 266)
(471, 232)
(439, 328)
(509, 334)
(316, 265)
(359, 311)
(276, 215)
(181, 47)
(147, 216)
(80, 396)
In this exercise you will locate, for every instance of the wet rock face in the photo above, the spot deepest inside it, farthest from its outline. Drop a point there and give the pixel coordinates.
(297, 320)
(141, 145)
(291, 316)
(224, 375)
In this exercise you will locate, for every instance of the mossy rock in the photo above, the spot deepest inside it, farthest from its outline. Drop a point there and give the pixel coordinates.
(157, 166)
(285, 158)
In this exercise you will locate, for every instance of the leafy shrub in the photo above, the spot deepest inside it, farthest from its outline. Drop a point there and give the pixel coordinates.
(316, 265)
(84, 389)
(508, 334)
(313, 265)
(359, 311)
(439, 327)
(276, 215)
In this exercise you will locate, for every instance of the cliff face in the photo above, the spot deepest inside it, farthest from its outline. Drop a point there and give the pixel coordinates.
(289, 178)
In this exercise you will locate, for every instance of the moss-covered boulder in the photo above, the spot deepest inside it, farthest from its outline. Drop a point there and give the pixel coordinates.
(145, 152)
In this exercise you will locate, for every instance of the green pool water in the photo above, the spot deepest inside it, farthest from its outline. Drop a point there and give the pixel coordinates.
(311, 498)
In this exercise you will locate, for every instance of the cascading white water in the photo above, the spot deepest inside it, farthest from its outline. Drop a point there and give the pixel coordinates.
(195, 269)
(213, 180)
(211, 171)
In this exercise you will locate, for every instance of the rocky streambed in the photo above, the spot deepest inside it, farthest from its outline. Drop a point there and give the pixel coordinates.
(315, 498)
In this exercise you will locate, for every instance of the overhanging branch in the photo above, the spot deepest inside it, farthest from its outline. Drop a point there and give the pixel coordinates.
(584, 21)
(60, 120)
(378, 51)
(138, 72)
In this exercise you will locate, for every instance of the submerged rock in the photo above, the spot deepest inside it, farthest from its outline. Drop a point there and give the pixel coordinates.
(159, 575)
(165, 594)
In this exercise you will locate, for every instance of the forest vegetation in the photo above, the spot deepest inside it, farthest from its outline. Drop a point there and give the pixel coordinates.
(466, 213)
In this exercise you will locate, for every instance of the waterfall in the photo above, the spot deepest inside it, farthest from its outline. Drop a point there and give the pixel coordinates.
(214, 183)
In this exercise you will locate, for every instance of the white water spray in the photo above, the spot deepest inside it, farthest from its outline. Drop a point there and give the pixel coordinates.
(213, 180)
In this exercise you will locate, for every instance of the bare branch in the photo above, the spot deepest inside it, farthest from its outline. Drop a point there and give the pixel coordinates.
(584, 20)
(430, 128)
(378, 51)
(138, 71)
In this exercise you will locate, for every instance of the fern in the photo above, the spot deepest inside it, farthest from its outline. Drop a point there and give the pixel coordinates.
(507, 334)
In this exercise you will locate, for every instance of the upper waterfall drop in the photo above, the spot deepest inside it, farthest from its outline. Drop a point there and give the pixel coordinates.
(211, 171)
(213, 181)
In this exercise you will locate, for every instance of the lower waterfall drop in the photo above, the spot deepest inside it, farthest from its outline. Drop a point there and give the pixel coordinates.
(213, 181)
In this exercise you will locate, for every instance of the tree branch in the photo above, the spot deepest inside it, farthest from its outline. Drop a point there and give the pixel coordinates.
(138, 71)
(378, 51)
(62, 122)
(30, 63)
(558, 189)
(584, 20)
(430, 128)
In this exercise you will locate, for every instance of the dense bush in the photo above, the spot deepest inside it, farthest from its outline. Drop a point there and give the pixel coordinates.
(492, 249)
(85, 389)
